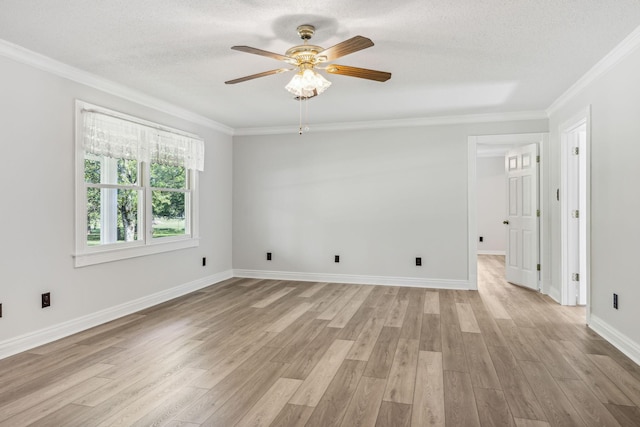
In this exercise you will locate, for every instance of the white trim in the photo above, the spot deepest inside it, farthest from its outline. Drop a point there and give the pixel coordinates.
(512, 139)
(384, 124)
(483, 252)
(619, 340)
(118, 253)
(587, 217)
(36, 60)
(583, 117)
(43, 336)
(472, 211)
(544, 204)
(415, 282)
(621, 51)
(554, 293)
(85, 255)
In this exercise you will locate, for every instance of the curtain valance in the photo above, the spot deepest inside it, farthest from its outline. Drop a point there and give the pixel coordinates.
(106, 135)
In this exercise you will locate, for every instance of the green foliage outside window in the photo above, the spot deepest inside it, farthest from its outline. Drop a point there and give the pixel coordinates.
(168, 207)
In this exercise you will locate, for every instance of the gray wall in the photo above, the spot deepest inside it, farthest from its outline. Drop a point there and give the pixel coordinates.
(615, 140)
(37, 214)
(378, 198)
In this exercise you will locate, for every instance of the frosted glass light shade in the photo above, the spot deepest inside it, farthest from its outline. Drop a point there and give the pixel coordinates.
(307, 84)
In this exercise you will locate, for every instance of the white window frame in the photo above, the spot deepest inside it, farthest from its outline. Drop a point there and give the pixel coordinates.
(86, 255)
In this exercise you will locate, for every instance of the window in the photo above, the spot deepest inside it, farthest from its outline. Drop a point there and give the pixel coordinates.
(136, 189)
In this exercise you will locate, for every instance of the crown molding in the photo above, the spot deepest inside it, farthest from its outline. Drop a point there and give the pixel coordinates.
(45, 63)
(621, 51)
(36, 60)
(384, 124)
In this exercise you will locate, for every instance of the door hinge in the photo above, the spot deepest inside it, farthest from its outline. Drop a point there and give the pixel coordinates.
(575, 214)
(537, 212)
(575, 277)
(537, 159)
(538, 267)
(575, 151)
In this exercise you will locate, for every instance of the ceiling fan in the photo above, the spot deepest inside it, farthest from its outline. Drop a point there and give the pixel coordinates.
(307, 58)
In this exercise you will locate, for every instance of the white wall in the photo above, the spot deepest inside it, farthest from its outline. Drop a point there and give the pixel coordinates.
(491, 196)
(615, 202)
(378, 198)
(37, 212)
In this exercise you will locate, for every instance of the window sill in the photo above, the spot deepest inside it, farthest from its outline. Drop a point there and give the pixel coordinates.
(116, 254)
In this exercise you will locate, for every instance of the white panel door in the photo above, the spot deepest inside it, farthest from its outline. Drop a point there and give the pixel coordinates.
(522, 220)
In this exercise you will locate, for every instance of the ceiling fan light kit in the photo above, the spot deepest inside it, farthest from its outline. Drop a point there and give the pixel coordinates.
(306, 58)
(307, 84)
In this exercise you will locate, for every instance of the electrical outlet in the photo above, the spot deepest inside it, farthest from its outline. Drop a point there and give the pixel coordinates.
(204, 261)
(46, 299)
(615, 301)
(418, 261)
(268, 256)
(336, 258)
(481, 239)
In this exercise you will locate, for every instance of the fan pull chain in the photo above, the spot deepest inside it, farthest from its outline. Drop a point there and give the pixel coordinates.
(303, 125)
(300, 114)
(306, 114)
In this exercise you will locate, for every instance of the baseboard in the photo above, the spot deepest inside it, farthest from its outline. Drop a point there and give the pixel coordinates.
(503, 253)
(415, 282)
(52, 333)
(554, 293)
(619, 340)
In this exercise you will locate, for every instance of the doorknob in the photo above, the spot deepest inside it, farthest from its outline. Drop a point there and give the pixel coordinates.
(506, 222)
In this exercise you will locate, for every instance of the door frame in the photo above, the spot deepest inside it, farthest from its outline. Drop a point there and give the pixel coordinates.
(583, 117)
(542, 139)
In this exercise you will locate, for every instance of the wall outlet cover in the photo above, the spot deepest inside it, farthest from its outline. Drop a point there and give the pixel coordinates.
(46, 299)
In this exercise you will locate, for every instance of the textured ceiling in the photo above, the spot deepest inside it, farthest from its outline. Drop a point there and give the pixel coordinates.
(448, 57)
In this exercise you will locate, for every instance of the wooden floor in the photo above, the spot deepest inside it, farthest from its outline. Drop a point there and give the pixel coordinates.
(260, 353)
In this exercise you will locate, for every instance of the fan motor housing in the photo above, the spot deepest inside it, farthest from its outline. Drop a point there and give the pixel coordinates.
(306, 31)
(305, 54)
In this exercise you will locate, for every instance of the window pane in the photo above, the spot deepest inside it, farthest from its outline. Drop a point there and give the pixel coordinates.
(92, 170)
(127, 171)
(112, 215)
(168, 213)
(93, 216)
(107, 170)
(167, 176)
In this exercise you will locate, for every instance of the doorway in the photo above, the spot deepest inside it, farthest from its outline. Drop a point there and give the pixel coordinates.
(499, 145)
(574, 210)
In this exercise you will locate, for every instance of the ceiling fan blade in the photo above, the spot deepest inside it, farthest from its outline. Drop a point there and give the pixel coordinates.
(363, 73)
(346, 47)
(255, 76)
(261, 52)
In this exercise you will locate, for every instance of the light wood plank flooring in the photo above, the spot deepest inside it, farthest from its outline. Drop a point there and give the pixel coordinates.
(278, 353)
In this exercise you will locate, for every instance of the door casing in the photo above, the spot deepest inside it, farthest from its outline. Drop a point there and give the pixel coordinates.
(565, 130)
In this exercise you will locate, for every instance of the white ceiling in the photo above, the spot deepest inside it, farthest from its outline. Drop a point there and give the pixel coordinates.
(448, 57)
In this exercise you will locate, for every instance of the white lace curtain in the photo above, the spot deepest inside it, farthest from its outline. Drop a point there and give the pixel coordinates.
(110, 136)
